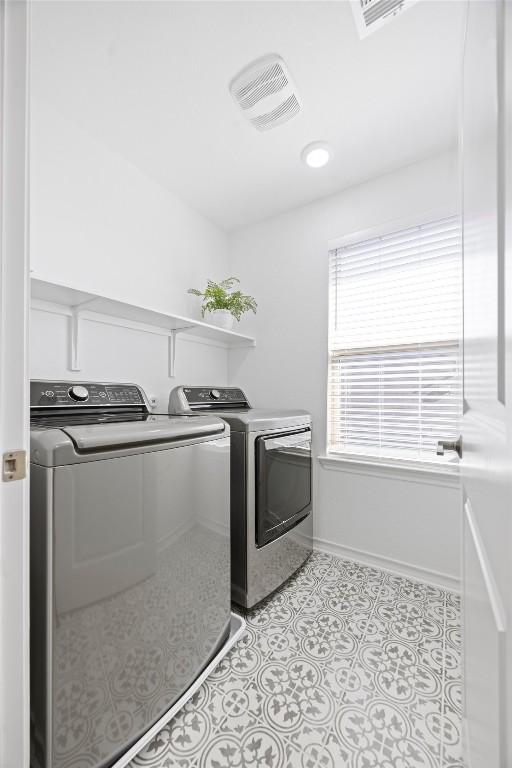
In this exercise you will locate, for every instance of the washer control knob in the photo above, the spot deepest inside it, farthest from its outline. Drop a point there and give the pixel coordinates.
(78, 393)
(215, 394)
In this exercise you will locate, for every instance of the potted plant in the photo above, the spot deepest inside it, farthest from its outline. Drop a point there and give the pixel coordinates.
(223, 303)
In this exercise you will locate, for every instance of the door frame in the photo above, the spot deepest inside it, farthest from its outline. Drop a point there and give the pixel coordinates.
(14, 383)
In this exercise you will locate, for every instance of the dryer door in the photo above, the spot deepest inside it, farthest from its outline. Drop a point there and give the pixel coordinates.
(283, 483)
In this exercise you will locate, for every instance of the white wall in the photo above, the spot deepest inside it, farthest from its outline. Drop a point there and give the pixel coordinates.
(283, 263)
(99, 224)
(111, 353)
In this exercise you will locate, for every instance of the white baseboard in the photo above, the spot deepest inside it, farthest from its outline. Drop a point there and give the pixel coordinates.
(397, 567)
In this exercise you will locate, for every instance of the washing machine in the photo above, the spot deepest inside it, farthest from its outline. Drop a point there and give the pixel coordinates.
(271, 487)
(130, 565)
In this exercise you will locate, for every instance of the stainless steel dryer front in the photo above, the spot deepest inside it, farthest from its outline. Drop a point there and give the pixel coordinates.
(130, 565)
(271, 487)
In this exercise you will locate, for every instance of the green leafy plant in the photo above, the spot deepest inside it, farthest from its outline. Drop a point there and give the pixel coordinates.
(221, 296)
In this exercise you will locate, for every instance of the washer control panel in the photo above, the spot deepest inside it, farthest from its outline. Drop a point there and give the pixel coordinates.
(76, 394)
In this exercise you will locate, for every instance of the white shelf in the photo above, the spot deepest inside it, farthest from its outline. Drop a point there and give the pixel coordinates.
(82, 305)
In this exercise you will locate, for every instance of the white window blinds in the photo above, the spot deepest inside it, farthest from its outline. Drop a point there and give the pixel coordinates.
(395, 342)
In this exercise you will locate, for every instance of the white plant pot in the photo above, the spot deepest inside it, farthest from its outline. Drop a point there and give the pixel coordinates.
(222, 318)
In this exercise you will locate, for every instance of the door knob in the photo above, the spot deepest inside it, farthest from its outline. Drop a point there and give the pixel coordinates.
(449, 445)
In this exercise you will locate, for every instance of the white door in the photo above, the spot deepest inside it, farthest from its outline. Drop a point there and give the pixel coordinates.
(487, 421)
(14, 639)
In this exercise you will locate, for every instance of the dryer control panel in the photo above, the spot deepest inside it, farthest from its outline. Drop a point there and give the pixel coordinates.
(187, 399)
(82, 394)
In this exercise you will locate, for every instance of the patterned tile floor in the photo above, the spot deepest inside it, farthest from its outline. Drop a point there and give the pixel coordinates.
(344, 666)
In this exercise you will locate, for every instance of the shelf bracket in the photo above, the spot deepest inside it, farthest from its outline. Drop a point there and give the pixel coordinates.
(75, 334)
(172, 353)
(74, 339)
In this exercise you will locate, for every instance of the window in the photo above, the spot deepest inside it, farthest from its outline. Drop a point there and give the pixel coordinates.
(395, 383)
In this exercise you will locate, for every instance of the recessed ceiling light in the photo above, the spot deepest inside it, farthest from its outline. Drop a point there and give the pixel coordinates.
(316, 154)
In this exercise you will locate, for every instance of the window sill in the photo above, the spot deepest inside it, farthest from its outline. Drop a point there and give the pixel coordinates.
(433, 473)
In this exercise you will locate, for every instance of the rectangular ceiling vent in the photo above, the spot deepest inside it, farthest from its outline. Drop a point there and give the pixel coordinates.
(373, 14)
(265, 93)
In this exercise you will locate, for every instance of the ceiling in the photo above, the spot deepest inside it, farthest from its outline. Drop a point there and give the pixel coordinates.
(150, 80)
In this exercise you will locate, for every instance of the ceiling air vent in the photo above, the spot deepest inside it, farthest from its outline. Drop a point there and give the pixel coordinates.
(265, 93)
(373, 14)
